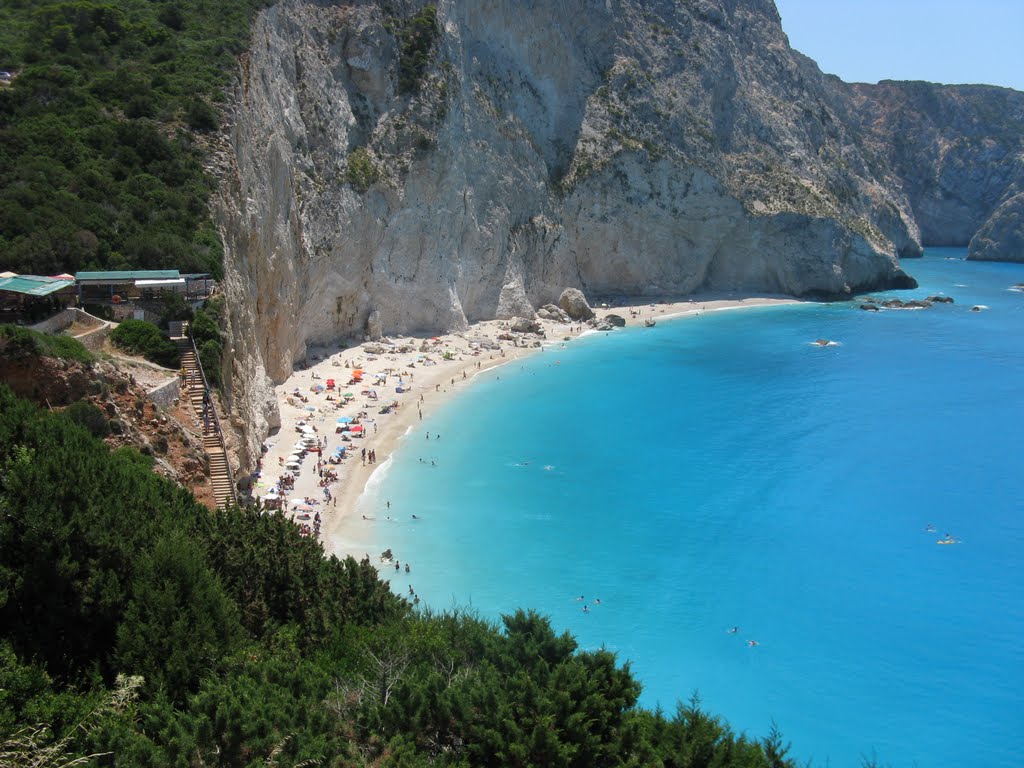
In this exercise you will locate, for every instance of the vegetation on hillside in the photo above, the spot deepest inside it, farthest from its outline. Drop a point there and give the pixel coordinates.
(18, 341)
(416, 37)
(99, 161)
(205, 329)
(139, 337)
(136, 625)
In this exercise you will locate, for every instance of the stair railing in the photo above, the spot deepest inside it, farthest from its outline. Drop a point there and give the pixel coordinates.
(216, 421)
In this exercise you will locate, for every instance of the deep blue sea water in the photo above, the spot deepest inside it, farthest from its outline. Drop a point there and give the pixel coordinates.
(722, 471)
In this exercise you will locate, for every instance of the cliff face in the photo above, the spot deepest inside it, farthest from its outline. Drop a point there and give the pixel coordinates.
(957, 151)
(436, 174)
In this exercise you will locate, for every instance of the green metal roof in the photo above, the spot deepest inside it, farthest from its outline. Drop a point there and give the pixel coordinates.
(33, 285)
(128, 276)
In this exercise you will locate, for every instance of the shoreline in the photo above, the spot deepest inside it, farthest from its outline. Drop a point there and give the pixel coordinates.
(433, 370)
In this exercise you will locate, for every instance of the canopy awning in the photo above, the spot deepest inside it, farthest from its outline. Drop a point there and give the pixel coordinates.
(160, 283)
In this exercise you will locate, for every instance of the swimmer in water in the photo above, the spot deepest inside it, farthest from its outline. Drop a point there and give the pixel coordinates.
(929, 528)
(579, 598)
(752, 643)
(586, 609)
(734, 630)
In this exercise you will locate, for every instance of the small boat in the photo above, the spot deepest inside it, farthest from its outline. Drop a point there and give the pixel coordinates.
(649, 323)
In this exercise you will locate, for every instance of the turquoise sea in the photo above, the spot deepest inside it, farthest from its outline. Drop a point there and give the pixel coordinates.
(720, 472)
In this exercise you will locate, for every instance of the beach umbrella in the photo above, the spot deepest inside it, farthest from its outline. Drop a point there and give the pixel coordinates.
(311, 408)
(307, 429)
(348, 395)
(356, 428)
(344, 420)
(293, 457)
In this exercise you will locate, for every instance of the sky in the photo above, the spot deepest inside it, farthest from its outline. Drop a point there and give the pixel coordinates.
(943, 41)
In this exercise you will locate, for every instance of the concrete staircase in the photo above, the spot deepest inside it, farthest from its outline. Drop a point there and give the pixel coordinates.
(198, 393)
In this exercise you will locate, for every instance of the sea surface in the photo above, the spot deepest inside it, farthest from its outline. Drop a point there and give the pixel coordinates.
(723, 471)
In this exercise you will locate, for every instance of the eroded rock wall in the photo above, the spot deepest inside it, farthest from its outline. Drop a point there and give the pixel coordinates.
(956, 151)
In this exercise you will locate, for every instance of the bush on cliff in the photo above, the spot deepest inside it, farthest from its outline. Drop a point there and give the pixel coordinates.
(360, 169)
(417, 37)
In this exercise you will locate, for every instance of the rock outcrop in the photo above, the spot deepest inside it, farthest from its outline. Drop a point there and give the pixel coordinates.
(392, 170)
(574, 304)
(1001, 238)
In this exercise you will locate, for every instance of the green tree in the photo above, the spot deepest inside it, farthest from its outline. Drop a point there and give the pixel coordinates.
(179, 624)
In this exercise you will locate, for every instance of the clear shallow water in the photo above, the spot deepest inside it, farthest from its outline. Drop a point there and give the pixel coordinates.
(762, 482)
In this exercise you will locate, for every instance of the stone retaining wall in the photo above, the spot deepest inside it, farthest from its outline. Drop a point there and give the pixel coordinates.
(93, 340)
(57, 323)
(165, 395)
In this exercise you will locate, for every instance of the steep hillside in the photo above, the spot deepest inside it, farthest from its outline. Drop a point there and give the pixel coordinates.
(958, 154)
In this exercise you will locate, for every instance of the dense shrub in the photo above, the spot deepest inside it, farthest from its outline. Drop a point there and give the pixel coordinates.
(205, 330)
(141, 338)
(89, 416)
(95, 168)
(15, 340)
(360, 170)
(417, 39)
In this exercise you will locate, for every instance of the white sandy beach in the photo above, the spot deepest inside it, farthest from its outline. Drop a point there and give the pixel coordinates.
(431, 370)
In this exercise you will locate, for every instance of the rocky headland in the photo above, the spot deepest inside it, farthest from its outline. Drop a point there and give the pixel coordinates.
(396, 167)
